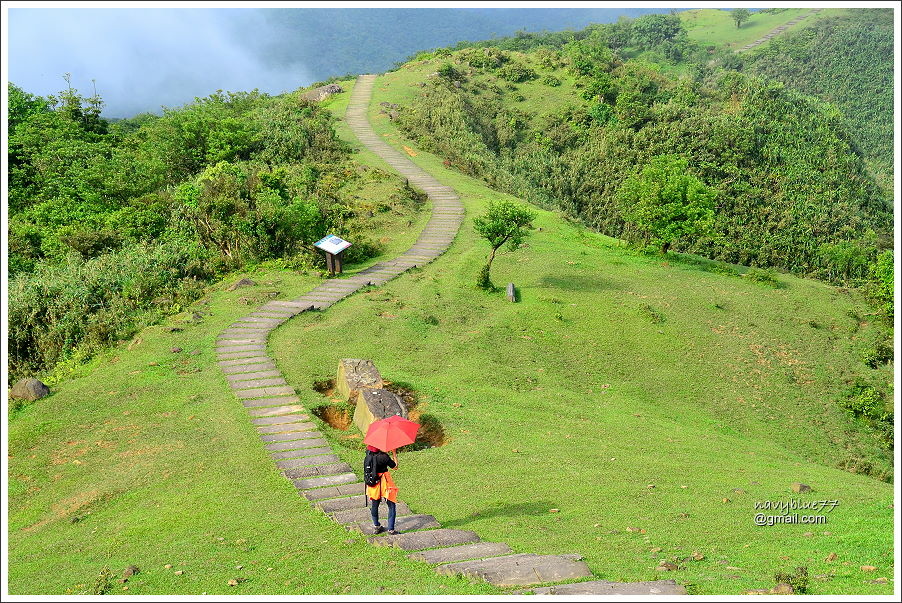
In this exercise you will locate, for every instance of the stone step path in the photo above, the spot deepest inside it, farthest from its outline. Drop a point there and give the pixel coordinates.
(302, 454)
(778, 30)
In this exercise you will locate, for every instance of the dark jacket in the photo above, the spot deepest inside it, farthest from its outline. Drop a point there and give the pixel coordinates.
(383, 462)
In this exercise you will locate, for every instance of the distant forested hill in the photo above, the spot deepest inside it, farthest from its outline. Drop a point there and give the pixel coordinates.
(568, 122)
(847, 61)
(332, 42)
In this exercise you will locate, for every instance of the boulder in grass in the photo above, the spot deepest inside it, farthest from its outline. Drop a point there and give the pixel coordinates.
(800, 488)
(245, 282)
(322, 93)
(355, 374)
(375, 404)
(29, 389)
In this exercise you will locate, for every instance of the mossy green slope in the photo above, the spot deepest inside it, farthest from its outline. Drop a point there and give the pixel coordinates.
(571, 399)
(575, 398)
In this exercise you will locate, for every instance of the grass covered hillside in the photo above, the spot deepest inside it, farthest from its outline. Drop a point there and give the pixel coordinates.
(566, 128)
(651, 400)
(711, 26)
(615, 372)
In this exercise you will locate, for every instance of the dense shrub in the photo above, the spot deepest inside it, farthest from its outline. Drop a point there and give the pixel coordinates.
(847, 60)
(114, 224)
(90, 304)
(516, 73)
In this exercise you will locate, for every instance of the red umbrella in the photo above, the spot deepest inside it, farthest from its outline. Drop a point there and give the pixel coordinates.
(391, 433)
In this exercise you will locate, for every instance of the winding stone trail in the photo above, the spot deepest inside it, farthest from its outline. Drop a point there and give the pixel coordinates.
(778, 30)
(303, 456)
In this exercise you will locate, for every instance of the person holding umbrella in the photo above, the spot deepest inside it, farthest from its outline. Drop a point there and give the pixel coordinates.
(379, 463)
(385, 434)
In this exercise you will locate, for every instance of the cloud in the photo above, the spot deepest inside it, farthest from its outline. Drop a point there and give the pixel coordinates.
(141, 59)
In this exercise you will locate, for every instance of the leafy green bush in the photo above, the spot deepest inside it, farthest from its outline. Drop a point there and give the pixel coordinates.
(448, 72)
(863, 400)
(516, 73)
(798, 580)
(880, 354)
(651, 314)
(764, 277)
(665, 203)
(90, 304)
(880, 287)
(550, 80)
(485, 58)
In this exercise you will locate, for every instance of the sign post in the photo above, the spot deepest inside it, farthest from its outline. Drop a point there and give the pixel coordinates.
(333, 246)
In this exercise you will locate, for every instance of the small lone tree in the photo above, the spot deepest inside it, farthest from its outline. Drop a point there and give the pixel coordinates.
(504, 222)
(666, 203)
(739, 15)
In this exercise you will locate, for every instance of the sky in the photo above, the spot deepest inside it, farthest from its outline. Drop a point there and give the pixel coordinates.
(141, 59)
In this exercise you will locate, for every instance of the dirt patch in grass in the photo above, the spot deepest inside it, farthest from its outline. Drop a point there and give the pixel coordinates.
(340, 415)
(66, 508)
(431, 433)
(337, 416)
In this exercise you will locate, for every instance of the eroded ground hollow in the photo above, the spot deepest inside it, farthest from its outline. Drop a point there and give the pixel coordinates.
(339, 414)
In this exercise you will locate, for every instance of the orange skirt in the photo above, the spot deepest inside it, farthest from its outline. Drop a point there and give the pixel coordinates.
(386, 488)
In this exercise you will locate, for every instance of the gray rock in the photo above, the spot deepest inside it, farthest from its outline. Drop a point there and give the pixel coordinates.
(375, 404)
(299, 473)
(29, 389)
(800, 488)
(409, 523)
(355, 374)
(326, 480)
(344, 503)
(307, 461)
(334, 491)
(362, 514)
(291, 454)
(322, 93)
(245, 282)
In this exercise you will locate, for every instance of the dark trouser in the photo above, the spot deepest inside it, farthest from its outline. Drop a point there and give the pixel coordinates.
(374, 511)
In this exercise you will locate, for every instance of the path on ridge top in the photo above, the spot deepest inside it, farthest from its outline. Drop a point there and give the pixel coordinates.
(304, 456)
(778, 30)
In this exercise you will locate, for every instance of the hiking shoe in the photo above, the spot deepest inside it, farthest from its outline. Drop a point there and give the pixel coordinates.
(378, 529)
(394, 532)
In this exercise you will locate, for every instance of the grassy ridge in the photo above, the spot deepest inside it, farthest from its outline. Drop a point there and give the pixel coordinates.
(714, 26)
(183, 468)
(148, 459)
(145, 457)
(574, 399)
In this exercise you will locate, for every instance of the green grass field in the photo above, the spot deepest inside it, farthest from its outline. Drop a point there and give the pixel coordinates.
(715, 26)
(548, 391)
(614, 373)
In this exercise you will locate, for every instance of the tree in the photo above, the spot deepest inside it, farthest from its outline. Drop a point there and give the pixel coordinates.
(880, 288)
(504, 222)
(665, 203)
(739, 15)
